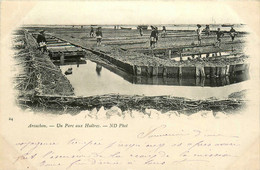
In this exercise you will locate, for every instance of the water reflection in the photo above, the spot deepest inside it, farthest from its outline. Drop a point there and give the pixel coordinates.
(77, 62)
(187, 81)
(87, 69)
(98, 69)
(88, 80)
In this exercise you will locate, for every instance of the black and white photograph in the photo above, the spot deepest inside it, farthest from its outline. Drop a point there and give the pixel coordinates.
(130, 85)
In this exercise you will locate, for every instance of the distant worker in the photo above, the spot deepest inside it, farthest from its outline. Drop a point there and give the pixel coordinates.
(91, 32)
(41, 40)
(199, 33)
(141, 31)
(157, 34)
(153, 38)
(233, 33)
(163, 32)
(219, 35)
(207, 30)
(99, 36)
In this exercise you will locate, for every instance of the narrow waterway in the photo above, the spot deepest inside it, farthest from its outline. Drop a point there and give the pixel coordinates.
(89, 78)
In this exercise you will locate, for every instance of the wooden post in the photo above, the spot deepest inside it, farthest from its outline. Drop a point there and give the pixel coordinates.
(222, 71)
(180, 56)
(227, 80)
(164, 72)
(138, 70)
(197, 71)
(197, 81)
(61, 58)
(134, 70)
(202, 81)
(231, 69)
(170, 54)
(218, 71)
(180, 71)
(212, 71)
(149, 71)
(155, 71)
(202, 71)
(227, 70)
(180, 81)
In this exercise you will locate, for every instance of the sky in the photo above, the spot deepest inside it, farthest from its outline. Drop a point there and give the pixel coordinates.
(129, 12)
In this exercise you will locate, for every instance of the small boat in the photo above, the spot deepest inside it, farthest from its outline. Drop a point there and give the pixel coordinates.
(227, 25)
(144, 27)
(69, 71)
(124, 28)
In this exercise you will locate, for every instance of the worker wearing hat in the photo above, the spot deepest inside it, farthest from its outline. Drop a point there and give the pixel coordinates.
(164, 32)
(91, 32)
(99, 36)
(157, 34)
(219, 35)
(233, 33)
(41, 40)
(199, 31)
(207, 30)
(153, 37)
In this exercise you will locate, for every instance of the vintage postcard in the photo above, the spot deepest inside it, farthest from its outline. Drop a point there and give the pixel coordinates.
(130, 85)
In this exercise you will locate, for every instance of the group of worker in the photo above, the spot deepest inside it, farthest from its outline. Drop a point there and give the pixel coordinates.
(155, 34)
(153, 37)
(99, 35)
(219, 34)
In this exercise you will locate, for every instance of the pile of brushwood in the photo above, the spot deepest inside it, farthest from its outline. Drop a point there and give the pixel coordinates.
(137, 102)
(37, 74)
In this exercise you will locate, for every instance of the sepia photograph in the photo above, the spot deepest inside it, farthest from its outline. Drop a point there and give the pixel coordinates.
(130, 85)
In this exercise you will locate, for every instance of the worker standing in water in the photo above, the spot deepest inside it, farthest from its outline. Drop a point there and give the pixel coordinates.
(199, 33)
(233, 33)
(153, 38)
(91, 32)
(99, 36)
(41, 40)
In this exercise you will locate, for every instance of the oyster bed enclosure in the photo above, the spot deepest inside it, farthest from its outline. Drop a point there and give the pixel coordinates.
(52, 90)
(199, 70)
(174, 59)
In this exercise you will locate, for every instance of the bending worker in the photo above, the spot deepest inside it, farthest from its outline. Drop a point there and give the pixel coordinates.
(41, 40)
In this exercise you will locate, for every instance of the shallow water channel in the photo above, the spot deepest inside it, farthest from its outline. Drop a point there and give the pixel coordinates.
(89, 78)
